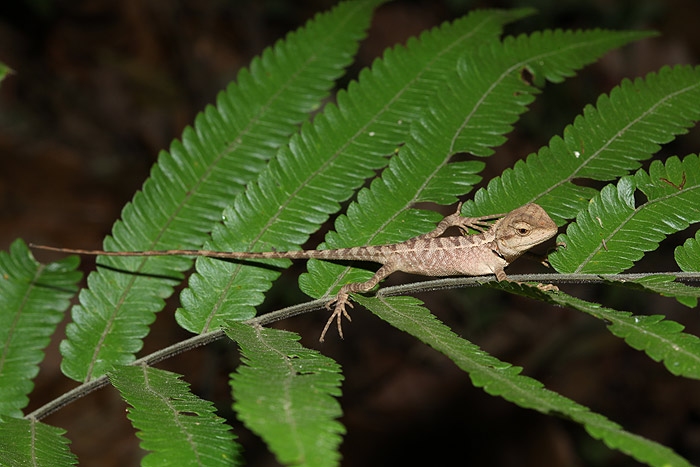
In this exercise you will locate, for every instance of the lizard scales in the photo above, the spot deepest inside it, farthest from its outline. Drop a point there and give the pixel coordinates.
(487, 252)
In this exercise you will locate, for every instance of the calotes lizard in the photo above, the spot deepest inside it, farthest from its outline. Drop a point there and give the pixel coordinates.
(488, 252)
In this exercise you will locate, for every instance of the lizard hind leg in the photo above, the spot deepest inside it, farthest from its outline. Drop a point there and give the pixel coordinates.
(342, 299)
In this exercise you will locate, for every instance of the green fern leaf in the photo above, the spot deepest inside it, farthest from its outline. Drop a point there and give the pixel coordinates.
(189, 186)
(667, 286)
(324, 164)
(286, 394)
(504, 380)
(4, 71)
(470, 114)
(33, 299)
(614, 232)
(659, 338)
(178, 427)
(604, 143)
(29, 442)
(688, 255)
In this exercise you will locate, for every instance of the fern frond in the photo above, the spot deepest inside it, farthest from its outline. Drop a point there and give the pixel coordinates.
(614, 231)
(324, 164)
(175, 425)
(191, 184)
(504, 380)
(666, 285)
(604, 143)
(29, 442)
(286, 394)
(471, 114)
(661, 339)
(33, 298)
(688, 255)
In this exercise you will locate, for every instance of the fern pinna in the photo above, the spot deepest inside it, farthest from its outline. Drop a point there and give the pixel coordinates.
(270, 164)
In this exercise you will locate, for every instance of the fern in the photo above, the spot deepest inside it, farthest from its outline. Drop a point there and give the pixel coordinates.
(604, 143)
(179, 428)
(470, 114)
(296, 414)
(191, 184)
(29, 442)
(323, 165)
(33, 298)
(688, 255)
(666, 285)
(614, 231)
(255, 173)
(502, 379)
(659, 338)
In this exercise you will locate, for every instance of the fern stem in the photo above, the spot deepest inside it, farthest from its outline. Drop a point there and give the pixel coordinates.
(549, 278)
(313, 305)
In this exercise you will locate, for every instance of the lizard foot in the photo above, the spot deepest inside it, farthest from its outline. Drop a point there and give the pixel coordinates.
(548, 287)
(480, 224)
(339, 304)
(501, 276)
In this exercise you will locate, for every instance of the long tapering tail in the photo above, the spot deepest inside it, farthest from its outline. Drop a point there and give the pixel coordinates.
(355, 253)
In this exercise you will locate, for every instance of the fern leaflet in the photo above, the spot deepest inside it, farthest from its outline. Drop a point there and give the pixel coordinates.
(324, 164)
(661, 339)
(33, 299)
(688, 255)
(191, 184)
(286, 394)
(502, 379)
(604, 143)
(470, 114)
(29, 442)
(614, 231)
(664, 284)
(178, 427)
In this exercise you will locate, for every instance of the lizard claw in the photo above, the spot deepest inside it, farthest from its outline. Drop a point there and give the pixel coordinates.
(339, 304)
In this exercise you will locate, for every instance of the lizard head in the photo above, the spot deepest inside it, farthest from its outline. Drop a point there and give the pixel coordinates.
(521, 229)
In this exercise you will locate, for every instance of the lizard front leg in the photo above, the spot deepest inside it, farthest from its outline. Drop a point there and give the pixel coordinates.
(342, 298)
(501, 275)
(463, 223)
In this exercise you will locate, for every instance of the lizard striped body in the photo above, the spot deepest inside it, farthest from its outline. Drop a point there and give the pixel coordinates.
(488, 252)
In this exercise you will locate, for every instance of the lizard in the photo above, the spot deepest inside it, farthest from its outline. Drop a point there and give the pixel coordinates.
(489, 251)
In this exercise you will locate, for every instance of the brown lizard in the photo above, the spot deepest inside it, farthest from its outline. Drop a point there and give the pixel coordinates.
(487, 252)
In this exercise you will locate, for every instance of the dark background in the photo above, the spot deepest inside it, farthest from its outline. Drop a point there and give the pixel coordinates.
(101, 87)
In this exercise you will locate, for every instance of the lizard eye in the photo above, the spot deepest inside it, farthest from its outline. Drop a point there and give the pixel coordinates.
(522, 229)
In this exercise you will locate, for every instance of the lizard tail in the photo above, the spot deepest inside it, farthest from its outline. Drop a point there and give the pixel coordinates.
(355, 253)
